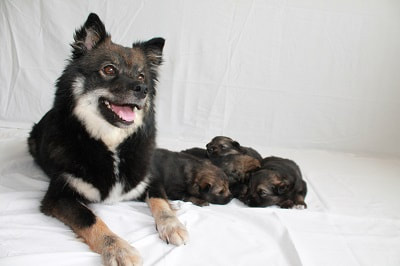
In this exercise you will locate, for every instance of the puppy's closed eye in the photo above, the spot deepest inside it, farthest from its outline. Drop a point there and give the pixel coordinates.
(206, 188)
(281, 189)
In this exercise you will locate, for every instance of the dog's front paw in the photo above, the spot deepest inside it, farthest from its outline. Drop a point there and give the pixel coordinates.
(118, 252)
(171, 230)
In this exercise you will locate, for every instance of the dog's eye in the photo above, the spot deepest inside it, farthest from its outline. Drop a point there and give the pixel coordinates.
(141, 77)
(282, 189)
(109, 70)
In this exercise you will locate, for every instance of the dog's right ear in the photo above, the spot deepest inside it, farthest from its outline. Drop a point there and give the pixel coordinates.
(88, 36)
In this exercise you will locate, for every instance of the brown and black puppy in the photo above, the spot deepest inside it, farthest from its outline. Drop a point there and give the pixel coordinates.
(278, 182)
(95, 143)
(221, 146)
(181, 176)
(235, 160)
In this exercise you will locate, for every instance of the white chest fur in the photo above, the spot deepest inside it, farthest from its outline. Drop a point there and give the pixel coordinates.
(116, 193)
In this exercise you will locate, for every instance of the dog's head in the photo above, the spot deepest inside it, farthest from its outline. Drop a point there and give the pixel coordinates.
(211, 184)
(109, 86)
(278, 182)
(222, 146)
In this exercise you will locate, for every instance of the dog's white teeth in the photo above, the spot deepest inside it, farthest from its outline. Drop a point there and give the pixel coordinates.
(107, 103)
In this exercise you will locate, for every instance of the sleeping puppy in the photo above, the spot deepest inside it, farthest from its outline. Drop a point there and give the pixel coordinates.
(181, 176)
(95, 143)
(221, 146)
(235, 160)
(278, 182)
(236, 166)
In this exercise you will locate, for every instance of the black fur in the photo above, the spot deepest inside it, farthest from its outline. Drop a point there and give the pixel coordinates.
(278, 182)
(235, 160)
(64, 145)
(181, 176)
(221, 146)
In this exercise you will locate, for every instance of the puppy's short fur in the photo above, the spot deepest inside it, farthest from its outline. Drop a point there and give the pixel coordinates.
(221, 146)
(181, 176)
(278, 182)
(96, 142)
(235, 160)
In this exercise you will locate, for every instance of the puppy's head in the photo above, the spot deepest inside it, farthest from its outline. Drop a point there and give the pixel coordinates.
(237, 166)
(222, 146)
(212, 185)
(278, 182)
(108, 83)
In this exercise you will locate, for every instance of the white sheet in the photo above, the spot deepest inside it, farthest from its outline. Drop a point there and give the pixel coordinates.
(353, 218)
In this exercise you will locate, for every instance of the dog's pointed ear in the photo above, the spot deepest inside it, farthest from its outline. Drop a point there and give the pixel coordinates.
(89, 35)
(153, 49)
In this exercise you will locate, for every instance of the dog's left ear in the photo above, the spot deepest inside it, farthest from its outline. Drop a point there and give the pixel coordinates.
(89, 35)
(153, 49)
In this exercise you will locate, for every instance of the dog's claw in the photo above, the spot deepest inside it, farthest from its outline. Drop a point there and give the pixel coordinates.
(172, 231)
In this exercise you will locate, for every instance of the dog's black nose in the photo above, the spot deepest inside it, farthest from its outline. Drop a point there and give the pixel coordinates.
(140, 90)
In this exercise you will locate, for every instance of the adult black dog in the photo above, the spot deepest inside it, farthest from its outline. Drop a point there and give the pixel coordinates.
(96, 142)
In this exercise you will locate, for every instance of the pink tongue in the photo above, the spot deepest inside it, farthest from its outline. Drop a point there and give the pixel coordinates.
(124, 112)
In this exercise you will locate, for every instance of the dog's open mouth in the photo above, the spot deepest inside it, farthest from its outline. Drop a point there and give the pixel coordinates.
(124, 113)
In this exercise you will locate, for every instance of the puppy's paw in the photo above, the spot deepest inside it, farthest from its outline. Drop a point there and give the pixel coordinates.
(171, 230)
(299, 207)
(118, 252)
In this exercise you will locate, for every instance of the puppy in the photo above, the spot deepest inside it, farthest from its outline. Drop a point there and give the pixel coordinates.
(181, 176)
(221, 146)
(235, 160)
(278, 182)
(96, 142)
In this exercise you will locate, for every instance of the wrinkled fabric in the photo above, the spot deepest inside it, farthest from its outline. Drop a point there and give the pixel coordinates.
(313, 81)
(353, 217)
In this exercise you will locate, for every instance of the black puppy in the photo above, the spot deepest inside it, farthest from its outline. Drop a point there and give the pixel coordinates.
(96, 142)
(278, 182)
(181, 176)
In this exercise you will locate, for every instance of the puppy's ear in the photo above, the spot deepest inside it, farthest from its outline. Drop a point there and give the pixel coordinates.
(88, 36)
(235, 144)
(153, 49)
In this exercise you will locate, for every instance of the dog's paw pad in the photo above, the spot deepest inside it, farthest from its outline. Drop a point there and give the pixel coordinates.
(172, 231)
(118, 252)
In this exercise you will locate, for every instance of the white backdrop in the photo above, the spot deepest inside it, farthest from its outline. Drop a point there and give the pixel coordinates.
(297, 74)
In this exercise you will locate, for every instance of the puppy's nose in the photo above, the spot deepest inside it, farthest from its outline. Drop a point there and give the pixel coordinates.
(140, 90)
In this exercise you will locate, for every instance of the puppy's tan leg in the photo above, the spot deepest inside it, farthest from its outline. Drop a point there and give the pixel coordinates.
(168, 226)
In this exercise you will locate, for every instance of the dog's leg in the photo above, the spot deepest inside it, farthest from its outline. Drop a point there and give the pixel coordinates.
(168, 226)
(113, 249)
